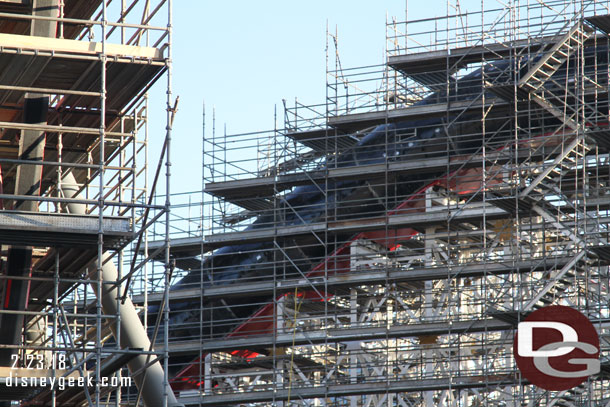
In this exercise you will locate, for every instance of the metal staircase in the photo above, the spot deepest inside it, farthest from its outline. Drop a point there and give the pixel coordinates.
(538, 82)
(558, 282)
(550, 61)
(539, 190)
(543, 195)
(569, 398)
(549, 176)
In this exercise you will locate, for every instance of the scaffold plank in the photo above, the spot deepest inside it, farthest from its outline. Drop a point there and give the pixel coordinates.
(198, 245)
(72, 70)
(341, 390)
(265, 186)
(185, 245)
(60, 229)
(323, 140)
(421, 62)
(600, 21)
(472, 212)
(341, 335)
(440, 60)
(382, 276)
(355, 121)
(174, 295)
(348, 279)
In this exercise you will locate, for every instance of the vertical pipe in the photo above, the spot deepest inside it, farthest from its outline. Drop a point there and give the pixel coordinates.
(166, 389)
(204, 371)
(99, 280)
(145, 194)
(353, 347)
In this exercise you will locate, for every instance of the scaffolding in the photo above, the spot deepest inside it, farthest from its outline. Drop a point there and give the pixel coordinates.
(75, 202)
(381, 247)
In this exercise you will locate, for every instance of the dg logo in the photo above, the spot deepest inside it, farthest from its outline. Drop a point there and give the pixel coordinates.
(557, 348)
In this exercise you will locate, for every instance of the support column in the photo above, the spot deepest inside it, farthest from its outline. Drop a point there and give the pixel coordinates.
(28, 180)
(44, 8)
(32, 142)
(133, 334)
(31, 148)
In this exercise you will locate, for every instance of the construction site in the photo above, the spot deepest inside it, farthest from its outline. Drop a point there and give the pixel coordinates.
(75, 202)
(376, 249)
(380, 248)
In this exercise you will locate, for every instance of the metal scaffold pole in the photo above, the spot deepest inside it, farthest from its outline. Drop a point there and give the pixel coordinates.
(75, 83)
(386, 249)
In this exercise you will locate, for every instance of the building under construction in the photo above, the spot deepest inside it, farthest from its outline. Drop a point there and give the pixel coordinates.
(75, 202)
(376, 249)
(381, 247)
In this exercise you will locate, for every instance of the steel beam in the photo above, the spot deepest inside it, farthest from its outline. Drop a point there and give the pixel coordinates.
(132, 333)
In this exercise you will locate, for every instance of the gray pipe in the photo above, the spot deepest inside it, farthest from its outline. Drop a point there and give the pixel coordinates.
(133, 334)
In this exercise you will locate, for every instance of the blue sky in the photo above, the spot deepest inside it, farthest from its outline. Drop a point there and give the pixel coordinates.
(244, 57)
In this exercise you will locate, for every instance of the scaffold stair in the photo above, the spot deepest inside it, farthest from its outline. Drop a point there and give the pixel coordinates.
(536, 79)
(551, 61)
(544, 187)
(569, 398)
(558, 282)
(549, 179)
(565, 113)
(545, 178)
(548, 184)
